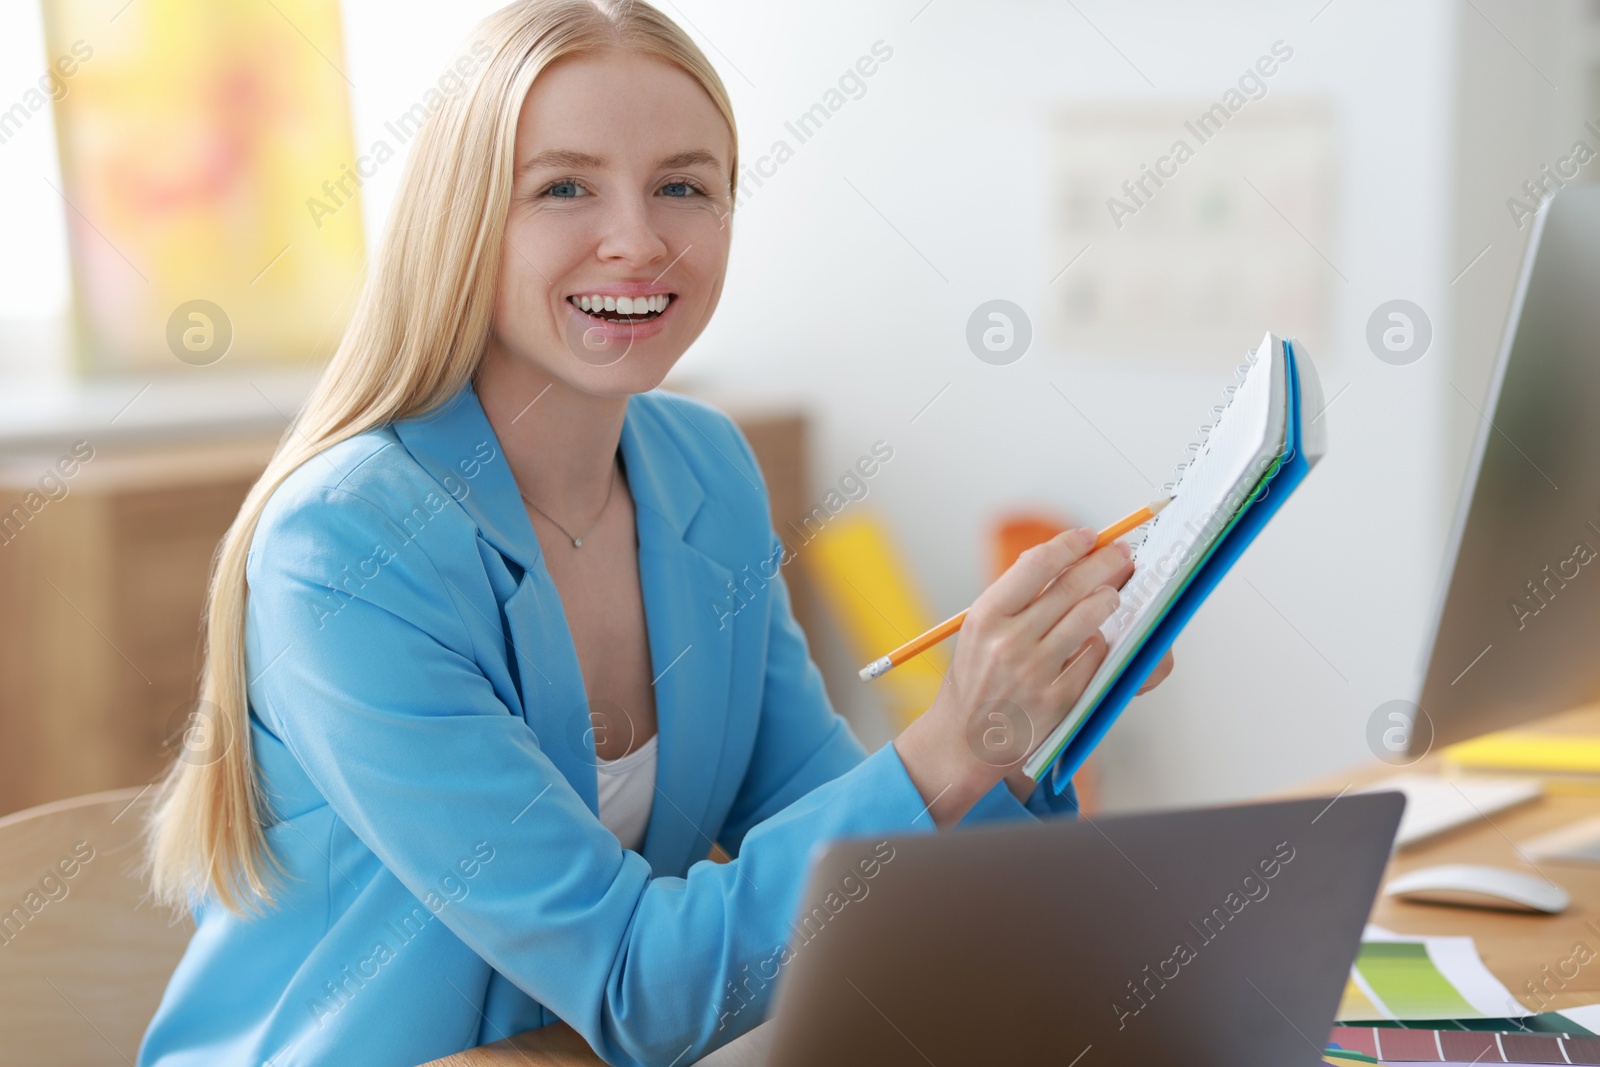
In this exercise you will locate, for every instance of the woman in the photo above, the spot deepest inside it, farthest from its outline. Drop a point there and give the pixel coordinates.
(472, 603)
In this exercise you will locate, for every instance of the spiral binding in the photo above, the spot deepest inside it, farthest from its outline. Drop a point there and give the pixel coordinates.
(1203, 434)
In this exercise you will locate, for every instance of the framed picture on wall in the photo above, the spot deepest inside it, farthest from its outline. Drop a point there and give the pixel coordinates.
(1187, 229)
(198, 144)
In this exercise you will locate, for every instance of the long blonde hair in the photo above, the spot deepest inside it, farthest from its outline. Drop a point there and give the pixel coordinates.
(416, 337)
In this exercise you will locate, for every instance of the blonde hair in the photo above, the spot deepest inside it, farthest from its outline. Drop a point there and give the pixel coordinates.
(416, 337)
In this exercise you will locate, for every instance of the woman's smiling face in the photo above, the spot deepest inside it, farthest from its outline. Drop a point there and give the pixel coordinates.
(621, 194)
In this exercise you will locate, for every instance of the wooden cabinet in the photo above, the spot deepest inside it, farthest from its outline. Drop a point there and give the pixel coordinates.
(102, 589)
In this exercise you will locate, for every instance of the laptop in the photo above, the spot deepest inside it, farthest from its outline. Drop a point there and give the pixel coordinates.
(1216, 936)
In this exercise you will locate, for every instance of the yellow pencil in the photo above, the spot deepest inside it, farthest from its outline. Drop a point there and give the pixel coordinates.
(917, 645)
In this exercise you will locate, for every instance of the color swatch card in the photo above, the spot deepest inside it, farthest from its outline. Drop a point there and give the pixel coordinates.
(1571, 1035)
(1389, 1045)
(1430, 978)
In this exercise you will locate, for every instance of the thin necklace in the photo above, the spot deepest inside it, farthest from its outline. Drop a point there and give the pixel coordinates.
(577, 542)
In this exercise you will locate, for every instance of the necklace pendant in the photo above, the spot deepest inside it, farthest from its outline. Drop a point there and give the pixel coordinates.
(577, 542)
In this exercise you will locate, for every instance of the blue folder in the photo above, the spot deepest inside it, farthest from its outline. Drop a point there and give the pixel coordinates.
(1303, 447)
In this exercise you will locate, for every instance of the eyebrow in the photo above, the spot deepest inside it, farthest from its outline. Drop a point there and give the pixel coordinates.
(568, 159)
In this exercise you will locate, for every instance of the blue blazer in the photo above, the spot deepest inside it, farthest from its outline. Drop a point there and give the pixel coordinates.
(419, 724)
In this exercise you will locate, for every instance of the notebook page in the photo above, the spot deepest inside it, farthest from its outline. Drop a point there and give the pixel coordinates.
(1237, 455)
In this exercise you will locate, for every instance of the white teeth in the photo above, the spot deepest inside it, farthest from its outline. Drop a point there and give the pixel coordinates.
(623, 305)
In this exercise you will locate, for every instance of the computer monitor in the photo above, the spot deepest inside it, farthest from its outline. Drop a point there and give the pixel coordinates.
(1516, 632)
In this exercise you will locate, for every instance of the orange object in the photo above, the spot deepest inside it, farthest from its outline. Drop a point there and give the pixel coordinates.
(917, 645)
(1014, 536)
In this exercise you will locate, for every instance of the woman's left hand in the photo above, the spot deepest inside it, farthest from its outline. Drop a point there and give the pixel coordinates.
(1022, 786)
(1158, 675)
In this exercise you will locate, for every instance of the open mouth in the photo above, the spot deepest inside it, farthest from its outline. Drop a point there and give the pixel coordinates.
(626, 309)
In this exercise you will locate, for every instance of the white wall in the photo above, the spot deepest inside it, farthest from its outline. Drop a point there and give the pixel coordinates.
(1321, 622)
(34, 284)
(829, 305)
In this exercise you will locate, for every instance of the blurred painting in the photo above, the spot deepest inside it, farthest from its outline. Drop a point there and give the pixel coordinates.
(193, 134)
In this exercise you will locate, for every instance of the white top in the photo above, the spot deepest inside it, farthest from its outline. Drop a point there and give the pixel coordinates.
(627, 793)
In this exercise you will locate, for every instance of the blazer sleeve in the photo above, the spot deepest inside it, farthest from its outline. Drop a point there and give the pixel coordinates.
(386, 709)
(802, 742)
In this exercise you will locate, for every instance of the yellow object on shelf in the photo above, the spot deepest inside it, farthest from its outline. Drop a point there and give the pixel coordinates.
(1531, 753)
(860, 575)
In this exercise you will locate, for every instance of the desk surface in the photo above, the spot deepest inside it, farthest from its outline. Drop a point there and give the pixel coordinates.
(1513, 946)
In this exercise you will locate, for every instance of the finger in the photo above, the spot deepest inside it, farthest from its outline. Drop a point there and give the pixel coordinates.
(1023, 580)
(1111, 565)
(1158, 675)
(1073, 678)
(1081, 622)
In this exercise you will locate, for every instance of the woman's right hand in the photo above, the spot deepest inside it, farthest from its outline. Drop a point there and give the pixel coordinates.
(1026, 651)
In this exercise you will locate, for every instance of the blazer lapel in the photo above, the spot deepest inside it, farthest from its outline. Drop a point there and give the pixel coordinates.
(456, 444)
(538, 640)
(691, 655)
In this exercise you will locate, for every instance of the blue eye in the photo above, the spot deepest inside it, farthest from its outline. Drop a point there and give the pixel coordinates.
(563, 190)
(689, 189)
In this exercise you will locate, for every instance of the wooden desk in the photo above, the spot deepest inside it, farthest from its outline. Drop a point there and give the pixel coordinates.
(551, 1046)
(1515, 947)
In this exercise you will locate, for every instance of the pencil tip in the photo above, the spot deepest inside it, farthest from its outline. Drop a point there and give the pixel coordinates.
(1155, 508)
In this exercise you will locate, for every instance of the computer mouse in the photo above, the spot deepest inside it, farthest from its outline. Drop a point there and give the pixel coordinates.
(1472, 886)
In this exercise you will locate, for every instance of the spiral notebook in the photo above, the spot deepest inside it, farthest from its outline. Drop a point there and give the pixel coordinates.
(1241, 468)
